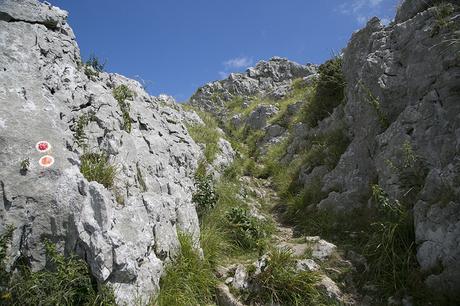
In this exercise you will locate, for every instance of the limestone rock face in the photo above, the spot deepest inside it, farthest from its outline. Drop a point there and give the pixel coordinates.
(268, 78)
(126, 232)
(403, 117)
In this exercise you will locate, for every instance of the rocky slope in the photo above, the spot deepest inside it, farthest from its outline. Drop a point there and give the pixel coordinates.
(126, 232)
(400, 116)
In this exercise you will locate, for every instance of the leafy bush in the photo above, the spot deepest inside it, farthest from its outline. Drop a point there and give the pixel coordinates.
(96, 167)
(443, 13)
(68, 282)
(189, 280)
(329, 92)
(244, 229)
(205, 197)
(280, 283)
(79, 129)
(122, 93)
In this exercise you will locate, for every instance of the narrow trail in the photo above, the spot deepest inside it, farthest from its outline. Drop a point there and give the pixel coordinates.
(312, 252)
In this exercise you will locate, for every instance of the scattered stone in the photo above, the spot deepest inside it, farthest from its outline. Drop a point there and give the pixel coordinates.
(307, 265)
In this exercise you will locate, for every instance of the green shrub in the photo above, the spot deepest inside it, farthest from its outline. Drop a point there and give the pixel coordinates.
(443, 13)
(189, 280)
(280, 283)
(68, 282)
(329, 92)
(390, 249)
(79, 130)
(93, 66)
(96, 167)
(205, 197)
(122, 94)
(245, 230)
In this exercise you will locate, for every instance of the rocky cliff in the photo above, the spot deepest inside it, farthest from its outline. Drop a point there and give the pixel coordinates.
(397, 127)
(126, 230)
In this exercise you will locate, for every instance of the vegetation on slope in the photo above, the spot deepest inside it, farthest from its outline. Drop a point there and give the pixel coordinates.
(66, 281)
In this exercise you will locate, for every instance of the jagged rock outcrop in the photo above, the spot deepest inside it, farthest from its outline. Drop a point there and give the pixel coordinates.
(268, 78)
(127, 232)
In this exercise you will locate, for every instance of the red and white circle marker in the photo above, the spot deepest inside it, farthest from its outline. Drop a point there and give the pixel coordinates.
(46, 161)
(43, 146)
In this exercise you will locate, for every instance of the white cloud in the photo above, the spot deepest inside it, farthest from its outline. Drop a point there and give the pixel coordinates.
(238, 62)
(223, 74)
(363, 10)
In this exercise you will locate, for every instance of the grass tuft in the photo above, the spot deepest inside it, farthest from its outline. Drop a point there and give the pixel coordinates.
(189, 280)
(280, 284)
(96, 167)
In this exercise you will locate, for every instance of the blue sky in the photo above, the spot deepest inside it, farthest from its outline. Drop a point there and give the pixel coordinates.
(175, 46)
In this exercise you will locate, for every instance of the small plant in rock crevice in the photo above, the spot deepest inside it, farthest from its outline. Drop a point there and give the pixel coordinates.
(96, 167)
(24, 166)
(93, 66)
(79, 129)
(374, 101)
(122, 94)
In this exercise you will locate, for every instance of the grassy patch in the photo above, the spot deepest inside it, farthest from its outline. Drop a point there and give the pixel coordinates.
(189, 280)
(122, 94)
(206, 134)
(96, 167)
(390, 249)
(67, 282)
(280, 283)
(329, 92)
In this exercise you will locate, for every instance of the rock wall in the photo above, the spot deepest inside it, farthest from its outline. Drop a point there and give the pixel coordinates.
(126, 233)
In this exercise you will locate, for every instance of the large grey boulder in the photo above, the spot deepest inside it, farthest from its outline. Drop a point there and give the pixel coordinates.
(126, 233)
(257, 120)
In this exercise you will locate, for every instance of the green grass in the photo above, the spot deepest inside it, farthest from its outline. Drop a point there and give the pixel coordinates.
(375, 103)
(329, 92)
(189, 280)
(280, 283)
(390, 249)
(96, 167)
(68, 281)
(208, 135)
(122, 94)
